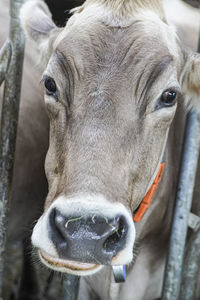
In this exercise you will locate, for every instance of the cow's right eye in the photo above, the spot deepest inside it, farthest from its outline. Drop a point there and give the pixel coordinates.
(168, 98)
(50, 86)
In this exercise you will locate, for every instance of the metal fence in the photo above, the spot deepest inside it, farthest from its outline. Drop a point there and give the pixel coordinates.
(11, 63)
(180, 281)
(183, 218)
(183, 264)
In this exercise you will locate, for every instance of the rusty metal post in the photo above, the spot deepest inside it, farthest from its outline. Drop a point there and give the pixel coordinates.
(185, 190)
(9, 120)
(70, 287)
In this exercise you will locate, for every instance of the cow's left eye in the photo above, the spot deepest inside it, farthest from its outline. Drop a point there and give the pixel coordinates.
(50, 86)
(168, 98)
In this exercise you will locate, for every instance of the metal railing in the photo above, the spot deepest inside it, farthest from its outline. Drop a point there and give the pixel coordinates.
(11, 63)
(173, 278)
(182, 266)
(70, 287)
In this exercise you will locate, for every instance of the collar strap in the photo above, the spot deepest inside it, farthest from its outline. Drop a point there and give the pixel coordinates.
(146, 202)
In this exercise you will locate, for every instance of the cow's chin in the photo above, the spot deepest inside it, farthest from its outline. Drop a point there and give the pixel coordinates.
(68, 266)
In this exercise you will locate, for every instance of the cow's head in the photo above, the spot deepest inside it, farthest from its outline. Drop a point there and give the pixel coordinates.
(112, 84)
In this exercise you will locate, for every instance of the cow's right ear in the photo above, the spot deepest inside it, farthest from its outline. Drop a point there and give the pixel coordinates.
(38, 25)
(190, 79)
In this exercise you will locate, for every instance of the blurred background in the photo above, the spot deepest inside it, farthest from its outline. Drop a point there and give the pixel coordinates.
(60, 9)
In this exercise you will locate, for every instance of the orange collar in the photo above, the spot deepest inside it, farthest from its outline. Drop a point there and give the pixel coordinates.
(146, 202)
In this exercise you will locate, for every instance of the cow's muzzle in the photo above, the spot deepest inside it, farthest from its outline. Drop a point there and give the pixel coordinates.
(88, 238)
(80, 234)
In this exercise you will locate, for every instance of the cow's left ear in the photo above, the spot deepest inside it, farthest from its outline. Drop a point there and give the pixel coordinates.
(190, 79)
(39, 28)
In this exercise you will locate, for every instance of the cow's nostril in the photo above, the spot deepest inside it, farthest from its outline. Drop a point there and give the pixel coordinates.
(115, 241)
(57, 224)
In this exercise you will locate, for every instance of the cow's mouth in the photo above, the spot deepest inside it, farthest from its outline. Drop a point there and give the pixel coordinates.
(68, 266)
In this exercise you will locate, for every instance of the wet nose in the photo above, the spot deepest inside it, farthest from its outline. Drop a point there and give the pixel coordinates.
(89, 238)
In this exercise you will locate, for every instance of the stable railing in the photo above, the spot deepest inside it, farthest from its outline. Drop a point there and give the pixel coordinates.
(11, 63)
(180, 281)
(183, 264)
(183, 218)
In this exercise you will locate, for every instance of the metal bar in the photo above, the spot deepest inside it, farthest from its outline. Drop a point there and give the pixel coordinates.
(70, 287)
(191, 268)
(192, 257)
(9, 121)
(198, 47)
(5, 56)
(185, 190)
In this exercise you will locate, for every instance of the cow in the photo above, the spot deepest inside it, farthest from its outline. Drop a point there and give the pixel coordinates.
(114, 78)
(117, 82)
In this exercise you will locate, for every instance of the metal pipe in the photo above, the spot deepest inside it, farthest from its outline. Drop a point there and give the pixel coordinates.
(192, 256)
(5, 55)
(70, 287)
(191, 268)
(9, 121)
(185, 190)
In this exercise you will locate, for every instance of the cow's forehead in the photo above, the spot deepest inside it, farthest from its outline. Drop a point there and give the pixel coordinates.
(147, 47)
(95, 18)
(146, 34)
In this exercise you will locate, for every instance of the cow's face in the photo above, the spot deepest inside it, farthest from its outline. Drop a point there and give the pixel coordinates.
(111, 93)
